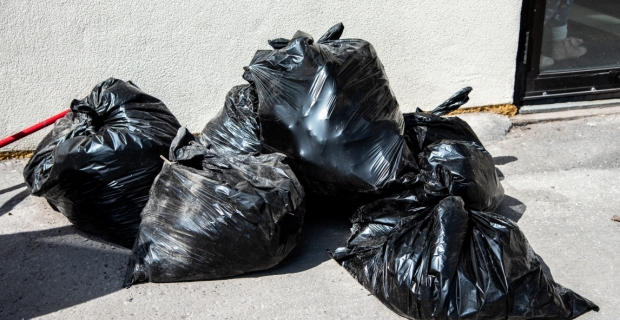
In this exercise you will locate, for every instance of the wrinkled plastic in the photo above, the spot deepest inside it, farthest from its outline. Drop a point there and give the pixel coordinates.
(433, 251)
(423, 129)
(451, 144)
(235, 129)
(328, 105)
(212, 216)
(473, 174)
(446, 262)
(97, 164)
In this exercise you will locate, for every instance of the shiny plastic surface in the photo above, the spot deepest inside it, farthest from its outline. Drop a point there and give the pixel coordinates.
(235, 129)
(212, 216)
(454, 102)
(328, 105)
(97, 164)
(432, 251)
(423, 129)
(451, 144)
(445, 262)
(472, 170)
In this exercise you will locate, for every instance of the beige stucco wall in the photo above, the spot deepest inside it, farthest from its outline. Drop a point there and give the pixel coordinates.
(190, 53)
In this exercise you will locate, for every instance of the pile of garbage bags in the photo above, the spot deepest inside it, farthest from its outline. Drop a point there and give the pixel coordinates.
(317, 120)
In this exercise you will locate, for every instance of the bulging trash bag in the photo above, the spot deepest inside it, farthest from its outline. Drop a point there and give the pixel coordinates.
(236, 129)
(451, 143)
(212, 216)
(97, 165)
(445, 262)
(473, 175)
(328, 105)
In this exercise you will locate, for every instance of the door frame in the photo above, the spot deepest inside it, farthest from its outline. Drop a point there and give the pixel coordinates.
(534, 88)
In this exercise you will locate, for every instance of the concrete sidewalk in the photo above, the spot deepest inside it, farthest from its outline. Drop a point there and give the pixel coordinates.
(561, 182)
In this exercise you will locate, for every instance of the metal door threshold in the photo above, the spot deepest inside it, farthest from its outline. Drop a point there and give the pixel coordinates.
(569, 106)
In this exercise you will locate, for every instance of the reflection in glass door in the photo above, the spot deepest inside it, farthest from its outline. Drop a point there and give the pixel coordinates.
(580, 35)
(570, 51)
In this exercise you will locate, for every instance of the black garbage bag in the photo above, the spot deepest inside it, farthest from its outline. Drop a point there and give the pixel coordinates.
(445, 262)
(212, 216)
(235, 129)
(423, 129)
(473, 175)
(328, 105)
(97, 164)
(457, 100)
(451, 143)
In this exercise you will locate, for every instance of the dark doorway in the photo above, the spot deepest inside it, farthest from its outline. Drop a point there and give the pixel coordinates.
(569, 51)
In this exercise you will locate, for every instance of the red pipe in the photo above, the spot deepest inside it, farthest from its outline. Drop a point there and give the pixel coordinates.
(32, 129)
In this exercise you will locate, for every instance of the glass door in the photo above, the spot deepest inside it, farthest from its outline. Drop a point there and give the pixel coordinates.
(569, 51)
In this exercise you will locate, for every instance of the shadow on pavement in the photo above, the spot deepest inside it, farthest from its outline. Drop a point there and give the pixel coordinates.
(15, 200)
(326, 227)
(502, 160)
(15, 187)
(319, 235)
(46, 271)
(511, 208)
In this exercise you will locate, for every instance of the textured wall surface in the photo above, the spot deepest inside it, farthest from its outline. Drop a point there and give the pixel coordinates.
(190, 54)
